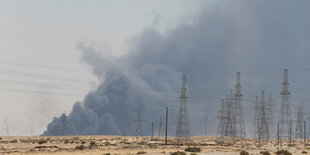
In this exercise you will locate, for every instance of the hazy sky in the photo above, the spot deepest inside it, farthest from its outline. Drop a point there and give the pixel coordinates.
(42, 74)
(41, 71)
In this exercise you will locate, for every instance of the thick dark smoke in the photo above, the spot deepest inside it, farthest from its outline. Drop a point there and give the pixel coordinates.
(258, 38)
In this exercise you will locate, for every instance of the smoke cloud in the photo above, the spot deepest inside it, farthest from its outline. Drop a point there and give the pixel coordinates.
(257, 38)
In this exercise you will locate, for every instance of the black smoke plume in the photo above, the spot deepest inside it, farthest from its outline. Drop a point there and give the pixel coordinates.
(257, 38)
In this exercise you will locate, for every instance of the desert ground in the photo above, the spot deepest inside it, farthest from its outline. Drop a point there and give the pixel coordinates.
(104, 145)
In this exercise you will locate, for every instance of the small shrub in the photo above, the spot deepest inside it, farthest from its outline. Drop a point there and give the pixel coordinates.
(14, 141)
(178, 153)
(83, 142)
(92, 143)
(304, 152)
(141, 152)
(264, 153)
(244, 152)
(193, 154)
(80, 147)
(42, 141)
(193, 149)
(66, 141)
(107, 154)
(283, 152)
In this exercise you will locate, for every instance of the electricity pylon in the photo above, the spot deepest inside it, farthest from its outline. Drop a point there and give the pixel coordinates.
(230, 125)
(222, 121)
(183, 129)
(299, 132)
(160, 127)
(263, 130)
(238, 110)
(139, 130)
(285, 119)
(64, 124)
(270, 116)
(206, 125)
(256, 118)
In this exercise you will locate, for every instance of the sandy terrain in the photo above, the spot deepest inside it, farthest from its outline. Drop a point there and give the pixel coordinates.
(100, 145)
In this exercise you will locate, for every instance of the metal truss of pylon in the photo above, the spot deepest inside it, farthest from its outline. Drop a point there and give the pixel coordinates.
(299, 132)
(160, 134)
(270, 117)
(256, 118)
(229, 117)
(285, 119)
(139, 130)
(238, 110)
(64, 124)
(183, 128)
(263, 129)
(222, 121)
(308, 134)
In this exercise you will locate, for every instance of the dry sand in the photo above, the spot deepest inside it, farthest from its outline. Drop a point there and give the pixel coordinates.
(100, 145)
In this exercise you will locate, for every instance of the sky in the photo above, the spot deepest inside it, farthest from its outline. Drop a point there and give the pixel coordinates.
(94, 59)
(42, 74)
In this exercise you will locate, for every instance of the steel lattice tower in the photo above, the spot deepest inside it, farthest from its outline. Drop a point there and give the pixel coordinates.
(256, 119)
(183, 129)
(308, 134)
(139, 130)
(222, 121)
(263, 130)
(300, 121)
(160, 127)
(64, 124)
(270, 116)
(206, 125)
(230, 126)
(285, 119)
(238, 110)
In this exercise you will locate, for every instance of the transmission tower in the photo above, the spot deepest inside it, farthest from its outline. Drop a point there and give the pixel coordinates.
(263, 131)
(300, 121)
(238, 110)
(139, 130)
(285, 119)
(183, 130)
(222, 121)
(308, 134)
(206, 125)
(270, 116)
(64, 124)
(230, 121)
(256, 118)
(160, 127)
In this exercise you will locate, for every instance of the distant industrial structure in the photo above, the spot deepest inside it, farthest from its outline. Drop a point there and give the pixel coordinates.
(262, 122)
(231, 120)
(231, 126)
(139, 130)
(285, 119)
(299, 132)
(183, 128)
